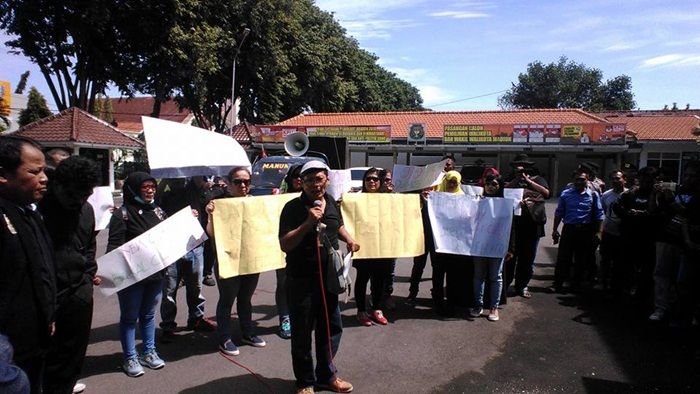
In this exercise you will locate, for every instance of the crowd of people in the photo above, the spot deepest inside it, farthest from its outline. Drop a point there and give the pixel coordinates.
(647, 231)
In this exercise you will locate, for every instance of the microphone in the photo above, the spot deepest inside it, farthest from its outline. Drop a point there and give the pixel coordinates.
(319, 226)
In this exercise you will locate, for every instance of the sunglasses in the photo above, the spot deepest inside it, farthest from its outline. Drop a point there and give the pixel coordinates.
(239, 182)
(372, 179)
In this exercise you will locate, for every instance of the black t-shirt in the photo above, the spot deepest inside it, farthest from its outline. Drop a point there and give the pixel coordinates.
(302, 261)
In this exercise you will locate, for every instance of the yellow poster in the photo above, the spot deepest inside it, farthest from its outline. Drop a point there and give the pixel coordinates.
(385, 225)
(245, 231)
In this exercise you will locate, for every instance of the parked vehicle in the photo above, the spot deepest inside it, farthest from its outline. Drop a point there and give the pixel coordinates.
(269, 172)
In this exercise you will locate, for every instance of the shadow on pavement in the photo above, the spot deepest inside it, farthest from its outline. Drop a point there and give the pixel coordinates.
(246, 384)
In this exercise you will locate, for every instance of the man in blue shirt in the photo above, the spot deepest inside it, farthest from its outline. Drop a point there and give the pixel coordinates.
(582, 213)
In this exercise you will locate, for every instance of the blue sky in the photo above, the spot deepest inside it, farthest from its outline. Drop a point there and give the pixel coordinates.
(456, 51)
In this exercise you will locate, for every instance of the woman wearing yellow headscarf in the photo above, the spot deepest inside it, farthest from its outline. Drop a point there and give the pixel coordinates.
(450, 183)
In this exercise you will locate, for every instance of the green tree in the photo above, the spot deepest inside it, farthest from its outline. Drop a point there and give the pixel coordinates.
(36, 108)
(566, 84)
(74, 43)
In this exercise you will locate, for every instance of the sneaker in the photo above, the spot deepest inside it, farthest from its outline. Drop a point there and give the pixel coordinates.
(338, 385)
(202, 325)
(253, 341)
(229, 348)
(493, 315)
(209, 281)
(658, 315)
(525, 293)
(285, 331)
(378, 317)
(364, 319)
(132, 367)
(306, 390)
(79, 388)
(152, 361)
(476, 312)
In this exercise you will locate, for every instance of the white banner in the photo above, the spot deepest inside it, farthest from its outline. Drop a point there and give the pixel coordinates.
(339, 182)
(102, 203)
(411, 178)
(517, 196)
(177, 150)
(150, 252)
(470, 226)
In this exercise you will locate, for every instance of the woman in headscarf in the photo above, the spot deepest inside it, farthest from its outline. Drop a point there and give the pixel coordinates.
(378, 271)
(455, 269)
(138, 302)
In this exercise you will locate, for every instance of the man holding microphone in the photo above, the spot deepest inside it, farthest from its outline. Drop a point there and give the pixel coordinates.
(311, 306)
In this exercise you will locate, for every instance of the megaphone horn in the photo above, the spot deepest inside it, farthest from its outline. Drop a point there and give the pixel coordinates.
(296, 144)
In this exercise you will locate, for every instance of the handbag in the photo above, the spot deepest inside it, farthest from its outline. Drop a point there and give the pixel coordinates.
(336, 282)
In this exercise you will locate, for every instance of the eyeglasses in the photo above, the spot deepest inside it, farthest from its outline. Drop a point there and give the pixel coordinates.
(314, 181)
(372, 179)
(148, 187)
(239, 182)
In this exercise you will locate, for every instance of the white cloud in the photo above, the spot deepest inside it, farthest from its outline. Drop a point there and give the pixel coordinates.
(376, 28)
(434, 95)
(459, 14)
(671, 60)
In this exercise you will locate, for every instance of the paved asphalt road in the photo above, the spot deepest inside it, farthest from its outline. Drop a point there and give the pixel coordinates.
(550, 343)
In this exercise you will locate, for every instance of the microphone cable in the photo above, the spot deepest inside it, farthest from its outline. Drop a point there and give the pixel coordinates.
(323, 298)
(255, 375)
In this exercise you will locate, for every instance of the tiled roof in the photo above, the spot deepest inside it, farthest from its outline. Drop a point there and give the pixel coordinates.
(650, 112)
(660, 127)
(435, 121)
(127, 112)
(242, 133)
(74, 125)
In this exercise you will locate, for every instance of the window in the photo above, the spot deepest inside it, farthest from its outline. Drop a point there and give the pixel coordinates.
(668, 163)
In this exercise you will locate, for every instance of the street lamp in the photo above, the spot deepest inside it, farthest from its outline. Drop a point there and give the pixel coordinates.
(244, 34)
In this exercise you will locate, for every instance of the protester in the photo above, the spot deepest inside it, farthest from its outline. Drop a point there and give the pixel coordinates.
(529, 226)
(639, 221)
(611, 250)
(70, 221)
(213, 189)
(490, 268)
(241, 286)
(582, 213)
(449, 164)
(689, 273)
(670, 256)
(376, 270)
(419, 262)
(27, 273)
(189, 268)
(449, 267)
(139, 301)
(292, 184)
(312, 307)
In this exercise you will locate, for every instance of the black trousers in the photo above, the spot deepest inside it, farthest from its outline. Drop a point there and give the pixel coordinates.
(378, 271)
(307, 316)
(576, 248)
(64, 360)
(34, 368)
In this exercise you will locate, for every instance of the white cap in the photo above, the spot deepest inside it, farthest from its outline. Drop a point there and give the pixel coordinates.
(314, 165)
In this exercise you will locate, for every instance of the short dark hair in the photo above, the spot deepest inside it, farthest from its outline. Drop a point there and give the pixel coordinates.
(11, 151)
(448, 156)
(235, 170)
(580, 171)
(76, 172)
(611, 173)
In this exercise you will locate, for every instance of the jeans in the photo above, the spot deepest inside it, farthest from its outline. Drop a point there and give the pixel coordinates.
(281, 294)
(190, 269)
(307, 315)
(139, 302)
(491, 268)
(243, 287)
